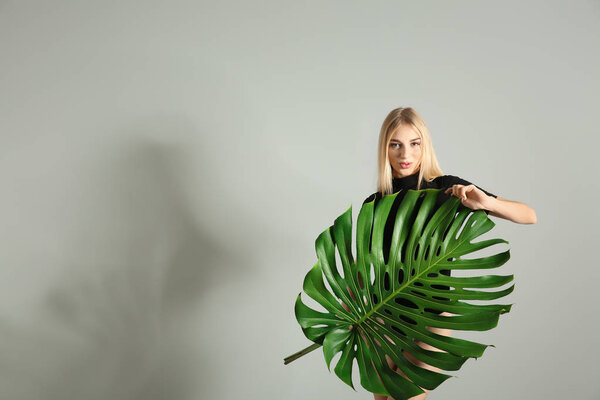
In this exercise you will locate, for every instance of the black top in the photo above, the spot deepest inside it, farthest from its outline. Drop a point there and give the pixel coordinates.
(410, 182)
(441, 182)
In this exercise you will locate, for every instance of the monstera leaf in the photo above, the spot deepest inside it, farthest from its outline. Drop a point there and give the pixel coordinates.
(392, 303)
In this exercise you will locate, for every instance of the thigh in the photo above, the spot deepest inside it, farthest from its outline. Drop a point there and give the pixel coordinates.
(394, 368)
(439, 331)
(415, 361)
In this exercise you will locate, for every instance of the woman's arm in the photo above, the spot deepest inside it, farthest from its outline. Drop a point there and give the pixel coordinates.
(474, 198)
(511, 210)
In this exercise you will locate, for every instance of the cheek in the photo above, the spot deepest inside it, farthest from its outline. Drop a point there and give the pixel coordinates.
(417, 154)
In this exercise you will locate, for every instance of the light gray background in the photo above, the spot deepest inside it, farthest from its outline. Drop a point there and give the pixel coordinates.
(166, 168)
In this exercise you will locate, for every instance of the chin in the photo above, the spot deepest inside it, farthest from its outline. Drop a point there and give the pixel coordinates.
(403, 173)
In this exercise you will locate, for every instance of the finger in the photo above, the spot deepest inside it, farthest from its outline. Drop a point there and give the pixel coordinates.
(456, 190)
(468, 188)
(474, 189)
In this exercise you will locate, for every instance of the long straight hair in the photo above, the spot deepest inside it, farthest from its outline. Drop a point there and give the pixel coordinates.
(428, 168)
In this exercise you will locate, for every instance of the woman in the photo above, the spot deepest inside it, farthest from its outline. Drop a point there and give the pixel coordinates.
(406, 160)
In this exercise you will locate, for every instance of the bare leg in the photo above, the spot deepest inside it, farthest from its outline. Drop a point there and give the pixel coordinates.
(418, 363)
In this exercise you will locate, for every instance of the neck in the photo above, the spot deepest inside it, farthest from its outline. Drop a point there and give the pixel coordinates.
(406, 176)
(405, 182)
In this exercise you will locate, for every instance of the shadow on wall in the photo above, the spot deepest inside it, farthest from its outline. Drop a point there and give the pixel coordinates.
(137, 267)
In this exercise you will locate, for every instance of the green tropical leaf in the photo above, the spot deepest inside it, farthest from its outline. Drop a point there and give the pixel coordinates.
(392, 303)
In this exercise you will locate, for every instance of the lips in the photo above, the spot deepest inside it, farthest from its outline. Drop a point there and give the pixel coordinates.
(405, 165)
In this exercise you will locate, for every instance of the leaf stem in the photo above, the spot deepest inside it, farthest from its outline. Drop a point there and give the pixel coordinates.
(299, 354)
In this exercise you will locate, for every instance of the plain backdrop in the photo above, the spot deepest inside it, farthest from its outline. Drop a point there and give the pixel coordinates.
(165, 168)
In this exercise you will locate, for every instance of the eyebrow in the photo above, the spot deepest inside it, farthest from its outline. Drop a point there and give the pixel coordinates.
(412, 140)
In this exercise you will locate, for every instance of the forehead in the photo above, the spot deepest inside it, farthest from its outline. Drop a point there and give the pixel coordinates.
(405, 133)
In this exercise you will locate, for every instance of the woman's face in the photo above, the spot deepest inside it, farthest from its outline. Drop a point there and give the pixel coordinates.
(404, 151)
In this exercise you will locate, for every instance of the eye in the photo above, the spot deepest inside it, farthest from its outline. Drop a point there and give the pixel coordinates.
(393, 145)
(416, 143)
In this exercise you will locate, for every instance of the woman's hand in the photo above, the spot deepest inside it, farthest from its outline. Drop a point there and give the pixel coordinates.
(471, 196)
(476, 199)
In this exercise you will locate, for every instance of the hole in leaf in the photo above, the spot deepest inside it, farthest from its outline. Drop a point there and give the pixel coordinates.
(437, 253)
(440, 298)
(418, 293)
(432, 275)
(417, 251)
(386, 281)
(418, 284)
(406, 303)
(390, 362)
(389, 339)
(372, 275)
(400, 276)
(426, 253)
(408, 320)
(375, 299)
(463, 227)
(431, 310)
(402, 255)
(366, 344)
(380, 320)
(440, 287)
(351, 293)
(387, 311)
(446, 232)
(360, 280)
(412, 272)
(398, 330)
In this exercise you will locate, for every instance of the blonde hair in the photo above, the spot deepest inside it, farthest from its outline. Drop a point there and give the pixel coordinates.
(429, 167)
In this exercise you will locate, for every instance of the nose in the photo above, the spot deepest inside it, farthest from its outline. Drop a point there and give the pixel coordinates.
(403, 152)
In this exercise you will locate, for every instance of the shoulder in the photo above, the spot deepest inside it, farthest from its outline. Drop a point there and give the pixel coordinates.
(444, 181)
(447, 181)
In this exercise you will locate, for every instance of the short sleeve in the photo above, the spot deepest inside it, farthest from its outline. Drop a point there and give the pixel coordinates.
(450, 180)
